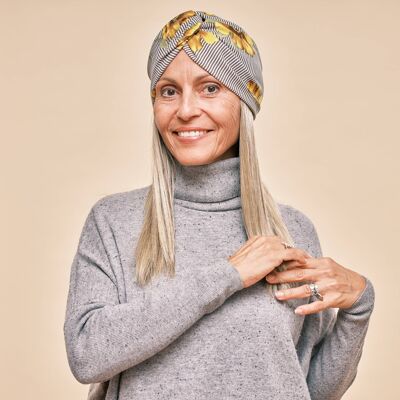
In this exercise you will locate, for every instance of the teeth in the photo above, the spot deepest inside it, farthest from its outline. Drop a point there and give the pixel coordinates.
(192, 133)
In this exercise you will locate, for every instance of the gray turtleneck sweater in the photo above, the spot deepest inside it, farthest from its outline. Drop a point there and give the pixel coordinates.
(201, 335)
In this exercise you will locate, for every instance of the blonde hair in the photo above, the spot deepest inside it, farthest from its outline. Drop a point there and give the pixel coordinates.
(155, 250)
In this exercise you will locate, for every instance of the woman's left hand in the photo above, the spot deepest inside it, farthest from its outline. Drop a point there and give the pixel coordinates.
(339, 286)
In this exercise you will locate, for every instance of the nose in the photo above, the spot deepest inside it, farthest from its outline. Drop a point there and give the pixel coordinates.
(188, 106)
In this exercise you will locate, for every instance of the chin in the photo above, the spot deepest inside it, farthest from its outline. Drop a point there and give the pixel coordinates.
(195, 158)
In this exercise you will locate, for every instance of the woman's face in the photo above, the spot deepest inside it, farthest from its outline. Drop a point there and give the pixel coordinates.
(190, 99)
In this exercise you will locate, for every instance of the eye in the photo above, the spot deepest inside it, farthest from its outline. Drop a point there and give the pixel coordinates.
(168, 90)
(214, 88)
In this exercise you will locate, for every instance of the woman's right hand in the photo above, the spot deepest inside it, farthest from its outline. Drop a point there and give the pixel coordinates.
(262, 254)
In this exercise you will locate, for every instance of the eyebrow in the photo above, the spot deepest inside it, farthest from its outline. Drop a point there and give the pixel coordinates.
(198, 78)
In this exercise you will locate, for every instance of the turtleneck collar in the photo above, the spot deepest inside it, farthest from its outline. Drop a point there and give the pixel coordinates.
(206, 184)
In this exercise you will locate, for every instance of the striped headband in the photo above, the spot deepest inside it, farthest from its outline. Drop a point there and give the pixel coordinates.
(219, 46)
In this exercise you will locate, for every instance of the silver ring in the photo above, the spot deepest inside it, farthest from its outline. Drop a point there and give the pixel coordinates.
(314, 290)
(287, 245)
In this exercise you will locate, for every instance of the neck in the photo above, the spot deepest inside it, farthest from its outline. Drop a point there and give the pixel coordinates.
(209, 183)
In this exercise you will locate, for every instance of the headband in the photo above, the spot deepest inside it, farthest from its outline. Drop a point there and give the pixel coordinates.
(217, 45)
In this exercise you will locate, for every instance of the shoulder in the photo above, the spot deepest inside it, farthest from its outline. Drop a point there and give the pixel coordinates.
(120, 204)
(296, 218)
(301, 228)
(121, 199)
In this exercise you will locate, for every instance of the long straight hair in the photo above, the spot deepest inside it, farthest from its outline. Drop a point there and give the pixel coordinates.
(155, 250)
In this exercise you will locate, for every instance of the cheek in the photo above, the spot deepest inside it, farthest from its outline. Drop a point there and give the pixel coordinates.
(160, 118)
(230, 114)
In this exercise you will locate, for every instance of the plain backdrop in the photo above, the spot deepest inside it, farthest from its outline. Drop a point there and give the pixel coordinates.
(76, 125)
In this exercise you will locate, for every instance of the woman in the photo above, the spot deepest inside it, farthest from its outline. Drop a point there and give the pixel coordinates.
(173, 289)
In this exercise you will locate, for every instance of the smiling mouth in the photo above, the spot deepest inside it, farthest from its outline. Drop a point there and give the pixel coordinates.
(193, 135)
(204, 130)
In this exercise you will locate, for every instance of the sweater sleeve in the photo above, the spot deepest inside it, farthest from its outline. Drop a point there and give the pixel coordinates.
(336, 352)
(104, 337)
(335, 358)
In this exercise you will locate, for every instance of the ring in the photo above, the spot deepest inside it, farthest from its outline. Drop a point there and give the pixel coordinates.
(286, 245)
(314, 290)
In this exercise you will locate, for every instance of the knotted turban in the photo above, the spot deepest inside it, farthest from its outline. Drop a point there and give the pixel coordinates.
(217, 45)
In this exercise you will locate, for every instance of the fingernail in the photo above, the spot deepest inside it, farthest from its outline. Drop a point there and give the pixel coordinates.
(298, 310)
(279, 293)
(270, 277)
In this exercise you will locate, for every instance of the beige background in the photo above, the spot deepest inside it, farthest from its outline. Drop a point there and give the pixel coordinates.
(75, 126)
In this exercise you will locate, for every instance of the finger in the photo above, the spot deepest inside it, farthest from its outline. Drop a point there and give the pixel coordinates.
(306, 262)
(294, 264)
(306, 253)
(294, 254)
(288, 266)
(299, 292)
(312, 308)
(293, 275)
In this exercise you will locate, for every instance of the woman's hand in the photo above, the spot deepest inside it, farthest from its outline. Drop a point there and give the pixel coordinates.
(260, 255)
(339, 286)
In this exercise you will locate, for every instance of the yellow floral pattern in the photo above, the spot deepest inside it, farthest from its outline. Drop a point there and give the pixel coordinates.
(241, 39)
(195, 37)
(255, 90)
(169, 30)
